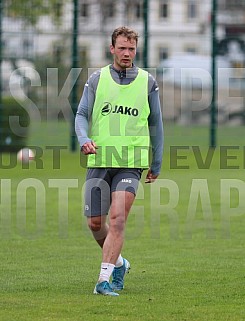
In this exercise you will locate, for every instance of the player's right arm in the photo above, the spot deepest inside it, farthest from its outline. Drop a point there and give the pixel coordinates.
(84, 113)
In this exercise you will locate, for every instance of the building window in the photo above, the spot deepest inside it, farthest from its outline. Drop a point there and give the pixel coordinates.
(191, 9)
(4, 43)
(138, 10)
(232, 4)
(164, 9)
(190, 49)
(109, 9)
(57, 8)
(163, 53)
(27, 48)
(84, 10)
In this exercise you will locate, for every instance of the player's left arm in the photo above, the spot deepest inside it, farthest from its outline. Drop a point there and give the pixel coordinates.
(155, 124)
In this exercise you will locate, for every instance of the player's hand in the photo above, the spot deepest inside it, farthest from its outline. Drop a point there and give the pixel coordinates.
(89, 148)
(150, 178)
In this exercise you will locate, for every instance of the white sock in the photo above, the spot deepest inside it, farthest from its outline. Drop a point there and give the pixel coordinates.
(105, 272)
(119, 261)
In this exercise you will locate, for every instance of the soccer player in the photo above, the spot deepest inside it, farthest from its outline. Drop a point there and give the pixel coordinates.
(118, 122)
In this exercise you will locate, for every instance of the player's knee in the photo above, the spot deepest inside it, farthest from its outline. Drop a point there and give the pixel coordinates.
(117, 223)
(95, 224)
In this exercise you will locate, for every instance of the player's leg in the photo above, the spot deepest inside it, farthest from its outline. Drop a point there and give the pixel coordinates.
(126, 180)
(120, 207)
(124, 186)
(99, 228)
(97, 202)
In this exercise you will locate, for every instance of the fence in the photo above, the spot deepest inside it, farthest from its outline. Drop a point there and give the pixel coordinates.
(41, 42)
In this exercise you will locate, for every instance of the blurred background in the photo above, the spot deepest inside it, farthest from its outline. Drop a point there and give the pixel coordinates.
(195, 49)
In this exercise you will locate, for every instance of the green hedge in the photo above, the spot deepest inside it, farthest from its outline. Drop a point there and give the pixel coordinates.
(13, 138)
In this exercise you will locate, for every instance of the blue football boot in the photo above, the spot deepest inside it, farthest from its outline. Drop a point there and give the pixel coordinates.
(104, 288)
(118, 275)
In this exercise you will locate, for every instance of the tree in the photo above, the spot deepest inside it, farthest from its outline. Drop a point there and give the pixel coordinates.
(31, 10)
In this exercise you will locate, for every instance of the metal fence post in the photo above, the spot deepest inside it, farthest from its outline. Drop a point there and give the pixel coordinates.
(74, 99)
(145, 18)
(1, 103)
(213, 123)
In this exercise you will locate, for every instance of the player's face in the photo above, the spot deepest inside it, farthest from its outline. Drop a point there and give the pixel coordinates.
(123, 52)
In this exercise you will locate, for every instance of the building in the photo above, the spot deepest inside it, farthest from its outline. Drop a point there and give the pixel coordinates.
(174, 26)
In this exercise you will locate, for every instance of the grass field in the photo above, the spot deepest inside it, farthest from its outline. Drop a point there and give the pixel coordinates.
(185, 236)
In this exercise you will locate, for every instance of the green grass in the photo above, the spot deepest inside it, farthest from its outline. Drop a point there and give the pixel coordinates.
(187, 259)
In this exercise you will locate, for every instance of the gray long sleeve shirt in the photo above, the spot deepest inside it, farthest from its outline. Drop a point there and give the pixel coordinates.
(125, 77)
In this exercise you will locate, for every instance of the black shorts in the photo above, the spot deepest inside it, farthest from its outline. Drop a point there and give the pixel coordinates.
(101, 182)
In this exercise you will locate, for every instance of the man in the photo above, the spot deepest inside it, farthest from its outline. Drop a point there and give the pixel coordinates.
(120, 105)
